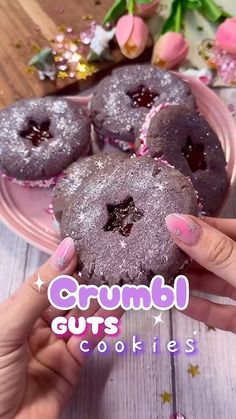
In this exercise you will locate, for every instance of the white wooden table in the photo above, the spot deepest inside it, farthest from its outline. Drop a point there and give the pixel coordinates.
(128, 386)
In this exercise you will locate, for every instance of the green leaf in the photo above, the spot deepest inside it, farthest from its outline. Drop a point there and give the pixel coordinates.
(192, 4)
(174, 21)
(212, 12)
(143, 1)
(117, 10)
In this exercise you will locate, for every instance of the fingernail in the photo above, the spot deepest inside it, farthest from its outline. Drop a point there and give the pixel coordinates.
(183, 228)
(63, 254)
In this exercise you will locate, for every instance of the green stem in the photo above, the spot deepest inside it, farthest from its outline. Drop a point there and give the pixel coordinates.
(178, 19)
(131, 6)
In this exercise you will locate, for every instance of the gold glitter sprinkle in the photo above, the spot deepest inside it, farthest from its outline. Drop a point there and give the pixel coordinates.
(36, 48)
(62, 28)
(62, 75)
(30, 70)
(87, 17)
(85, 69)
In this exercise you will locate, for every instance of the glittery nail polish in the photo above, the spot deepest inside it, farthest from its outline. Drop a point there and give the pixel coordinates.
(183, 228)
(63, 254)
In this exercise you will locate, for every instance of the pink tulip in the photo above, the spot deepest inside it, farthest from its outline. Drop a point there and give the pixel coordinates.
(170, 49)
(147, 9)
(226, 36)
(131, 35)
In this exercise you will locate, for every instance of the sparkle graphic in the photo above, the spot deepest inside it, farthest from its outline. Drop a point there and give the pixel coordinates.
(166, 397)
(60, 261)
(192, 227)
(158, 319)
(177, 232)
(39, 282)
(193, 370)
(100, 164)
(81, 216)
(123, 244)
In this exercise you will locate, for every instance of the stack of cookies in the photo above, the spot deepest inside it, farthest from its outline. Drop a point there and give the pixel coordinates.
(165, 159)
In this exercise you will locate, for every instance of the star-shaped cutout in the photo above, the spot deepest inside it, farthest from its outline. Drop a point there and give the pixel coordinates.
(166, 397)
(142, 97)
(122, 216)
(193, 370)
(158, 319)
(37, 132)
(39, 282)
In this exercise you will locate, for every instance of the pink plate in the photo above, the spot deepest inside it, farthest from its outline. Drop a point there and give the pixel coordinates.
(25, 210)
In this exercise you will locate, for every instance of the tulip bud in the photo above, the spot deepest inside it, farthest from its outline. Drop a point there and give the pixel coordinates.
(131, 35)
(226, 36)
(170, 49)
(146, 9)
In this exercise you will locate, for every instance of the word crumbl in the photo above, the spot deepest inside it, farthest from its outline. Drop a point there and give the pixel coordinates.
(65, 293)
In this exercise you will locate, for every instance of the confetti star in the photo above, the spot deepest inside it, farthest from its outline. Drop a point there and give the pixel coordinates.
(100, 164)
(193, 370)
(39, 282)
(166, 397)
(158, 319)
(123, 244)
(62, 75)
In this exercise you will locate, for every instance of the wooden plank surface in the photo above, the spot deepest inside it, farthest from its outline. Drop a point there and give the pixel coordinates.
(128, 386)
(26, 24)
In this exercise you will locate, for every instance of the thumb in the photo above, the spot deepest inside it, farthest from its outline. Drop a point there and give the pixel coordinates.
(23, 308)
(212, 249)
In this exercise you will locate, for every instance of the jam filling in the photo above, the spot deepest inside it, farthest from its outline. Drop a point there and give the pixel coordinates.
(194, 154)
(142, 97)
(122, 216)
(37, 132)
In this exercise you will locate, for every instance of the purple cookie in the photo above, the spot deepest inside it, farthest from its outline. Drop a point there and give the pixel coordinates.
(75, 175)
(117, 221)
(41, 137)
(121, 101)
(185, 139)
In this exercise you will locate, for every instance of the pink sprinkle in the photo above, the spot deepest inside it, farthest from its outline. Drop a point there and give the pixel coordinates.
(204, 79)
(60, 37)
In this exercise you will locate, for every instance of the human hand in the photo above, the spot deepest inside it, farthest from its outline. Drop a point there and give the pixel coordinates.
(211, 244)
(38, 371)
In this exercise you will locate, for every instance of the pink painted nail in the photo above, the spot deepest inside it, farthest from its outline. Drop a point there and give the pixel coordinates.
(63, 254)
(183, 228)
